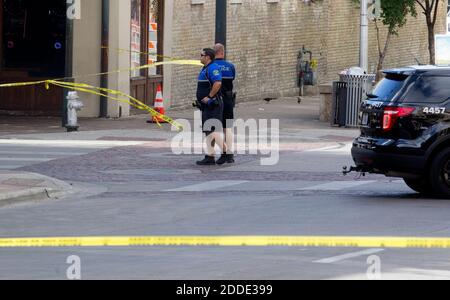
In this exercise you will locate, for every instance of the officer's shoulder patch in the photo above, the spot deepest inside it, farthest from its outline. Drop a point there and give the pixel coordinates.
(216, 72)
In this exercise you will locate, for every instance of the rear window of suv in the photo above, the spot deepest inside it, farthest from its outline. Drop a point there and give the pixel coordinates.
(428, 89)
(387, 88)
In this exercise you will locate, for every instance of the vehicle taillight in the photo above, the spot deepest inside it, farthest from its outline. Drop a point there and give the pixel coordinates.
(391, 115)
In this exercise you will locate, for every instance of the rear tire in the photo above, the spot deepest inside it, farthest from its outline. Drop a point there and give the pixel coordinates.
(420, 185)
(440, 174)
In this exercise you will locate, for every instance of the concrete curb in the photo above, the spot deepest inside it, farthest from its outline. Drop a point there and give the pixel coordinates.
(18, 191)
(23, 193)
(28, 195)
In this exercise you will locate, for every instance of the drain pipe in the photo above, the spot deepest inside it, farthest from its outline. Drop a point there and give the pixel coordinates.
(104, 57)
(68, 66)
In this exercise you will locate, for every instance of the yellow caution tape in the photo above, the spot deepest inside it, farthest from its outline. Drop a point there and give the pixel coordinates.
(229, 241)
(18, 84)
(153, 65)
(117, 95)
(172, 62)
(121, 50)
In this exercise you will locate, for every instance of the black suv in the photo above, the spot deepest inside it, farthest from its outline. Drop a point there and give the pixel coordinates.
(405, 129)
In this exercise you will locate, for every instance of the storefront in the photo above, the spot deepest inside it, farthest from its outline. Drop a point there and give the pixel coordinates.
(33, 39)
(33, 47)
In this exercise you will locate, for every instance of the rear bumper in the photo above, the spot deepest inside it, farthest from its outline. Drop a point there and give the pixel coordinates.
(387, 160)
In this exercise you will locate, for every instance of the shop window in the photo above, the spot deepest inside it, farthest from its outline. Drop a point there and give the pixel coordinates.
(146, 36)
(33, 36)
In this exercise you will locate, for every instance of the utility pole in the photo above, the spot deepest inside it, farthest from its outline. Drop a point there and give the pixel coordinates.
(364, 39)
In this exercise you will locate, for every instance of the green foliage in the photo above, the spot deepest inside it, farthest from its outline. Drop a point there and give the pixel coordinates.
(395, 12)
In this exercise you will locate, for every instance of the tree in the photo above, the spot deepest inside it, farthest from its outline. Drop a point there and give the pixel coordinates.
(430, 10)
(394, 15)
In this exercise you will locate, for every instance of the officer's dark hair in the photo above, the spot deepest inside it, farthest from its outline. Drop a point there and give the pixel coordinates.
(210, 52)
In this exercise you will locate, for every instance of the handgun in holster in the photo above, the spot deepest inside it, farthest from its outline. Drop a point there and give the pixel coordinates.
(197, 104)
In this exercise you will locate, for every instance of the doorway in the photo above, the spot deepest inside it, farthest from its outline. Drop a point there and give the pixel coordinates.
(33, 48)
(147, 19)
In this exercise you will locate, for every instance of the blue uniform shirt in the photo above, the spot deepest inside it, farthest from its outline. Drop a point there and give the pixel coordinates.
(208, 76)
(228, 74)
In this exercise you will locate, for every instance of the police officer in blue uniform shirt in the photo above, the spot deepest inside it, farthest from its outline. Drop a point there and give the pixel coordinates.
(209, 101)
(229, 99)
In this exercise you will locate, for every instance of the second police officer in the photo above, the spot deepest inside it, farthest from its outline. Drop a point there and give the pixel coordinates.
(229, 99)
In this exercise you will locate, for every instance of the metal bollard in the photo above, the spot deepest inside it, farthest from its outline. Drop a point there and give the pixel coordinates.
(74, 104)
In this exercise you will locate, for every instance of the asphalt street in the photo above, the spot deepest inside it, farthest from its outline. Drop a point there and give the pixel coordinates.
(146, 190)
(132, 184)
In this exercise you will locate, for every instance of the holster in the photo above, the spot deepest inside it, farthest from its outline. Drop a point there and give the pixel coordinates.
(231, 96)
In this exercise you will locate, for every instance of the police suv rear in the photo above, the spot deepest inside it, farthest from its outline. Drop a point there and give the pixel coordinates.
(405, 129)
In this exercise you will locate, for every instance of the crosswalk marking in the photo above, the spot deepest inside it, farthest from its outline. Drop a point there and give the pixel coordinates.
(21, 154)
(337, 185)
(208, 186)
(10, 167)
(11, 152)
(24, 159)
(69, 143)
(339, 258)
(260, 185)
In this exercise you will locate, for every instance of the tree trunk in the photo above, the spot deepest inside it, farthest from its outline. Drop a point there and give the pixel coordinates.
(431, 44)
(382, 56)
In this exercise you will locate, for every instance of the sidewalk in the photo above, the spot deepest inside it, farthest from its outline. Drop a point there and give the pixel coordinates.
(296, 121)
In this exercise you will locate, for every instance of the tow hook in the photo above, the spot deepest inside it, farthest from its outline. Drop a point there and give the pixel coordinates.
(346, 170)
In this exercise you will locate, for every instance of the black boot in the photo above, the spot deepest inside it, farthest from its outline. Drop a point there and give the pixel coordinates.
(226, 158)
(208, 161)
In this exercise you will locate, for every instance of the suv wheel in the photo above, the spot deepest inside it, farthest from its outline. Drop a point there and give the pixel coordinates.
(440, 174)
(420, 185)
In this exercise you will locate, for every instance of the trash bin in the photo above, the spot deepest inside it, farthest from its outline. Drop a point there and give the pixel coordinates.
(348, 93)
(339, 106)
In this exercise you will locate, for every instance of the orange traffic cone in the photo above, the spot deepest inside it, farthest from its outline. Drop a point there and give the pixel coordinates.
(159, 106)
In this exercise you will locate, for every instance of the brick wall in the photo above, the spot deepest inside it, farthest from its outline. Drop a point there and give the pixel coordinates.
(264, 40)
(193, 30)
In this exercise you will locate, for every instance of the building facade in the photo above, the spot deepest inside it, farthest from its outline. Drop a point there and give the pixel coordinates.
(448, 17)
(263, 39)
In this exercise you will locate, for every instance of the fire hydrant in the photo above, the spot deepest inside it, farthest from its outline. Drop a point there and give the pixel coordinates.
(74, 104)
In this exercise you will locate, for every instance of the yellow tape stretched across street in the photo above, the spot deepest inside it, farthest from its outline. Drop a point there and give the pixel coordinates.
(229, 241)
